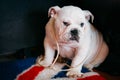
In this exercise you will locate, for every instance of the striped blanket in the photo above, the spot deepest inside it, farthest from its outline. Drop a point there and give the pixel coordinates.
(36, 72)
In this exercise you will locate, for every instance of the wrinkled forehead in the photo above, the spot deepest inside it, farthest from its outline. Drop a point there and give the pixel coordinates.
(71, 12)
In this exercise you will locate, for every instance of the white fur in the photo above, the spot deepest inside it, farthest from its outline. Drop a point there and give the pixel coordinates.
(89, 51)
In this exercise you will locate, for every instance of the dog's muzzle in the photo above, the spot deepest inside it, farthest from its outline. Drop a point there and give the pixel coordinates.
(74, 35)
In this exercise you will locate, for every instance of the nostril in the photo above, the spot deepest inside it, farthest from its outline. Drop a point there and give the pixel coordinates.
(74, 32)
(74, 35)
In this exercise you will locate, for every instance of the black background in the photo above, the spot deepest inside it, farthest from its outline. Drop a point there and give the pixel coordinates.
(22, 24)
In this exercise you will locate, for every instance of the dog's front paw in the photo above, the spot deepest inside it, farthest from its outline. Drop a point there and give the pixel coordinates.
(43, 62)
(74, 73)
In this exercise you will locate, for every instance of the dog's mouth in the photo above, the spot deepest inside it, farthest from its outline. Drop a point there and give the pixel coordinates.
(70, 40)
(75, 38)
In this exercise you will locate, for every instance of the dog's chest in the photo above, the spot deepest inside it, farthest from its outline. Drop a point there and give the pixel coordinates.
(67, 52)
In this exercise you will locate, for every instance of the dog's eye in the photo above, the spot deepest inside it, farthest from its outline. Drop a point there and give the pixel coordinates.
(81, 24)
(66, 23)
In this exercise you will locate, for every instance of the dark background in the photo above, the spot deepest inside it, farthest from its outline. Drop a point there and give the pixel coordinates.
(22, 24)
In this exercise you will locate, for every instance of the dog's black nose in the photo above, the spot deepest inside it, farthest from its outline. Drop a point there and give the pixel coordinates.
(74, 35)
(74, 32)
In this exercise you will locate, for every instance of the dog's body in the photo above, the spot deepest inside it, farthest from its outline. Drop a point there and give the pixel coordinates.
(78, 40)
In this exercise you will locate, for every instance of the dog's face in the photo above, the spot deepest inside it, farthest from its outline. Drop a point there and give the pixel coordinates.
(70, 23)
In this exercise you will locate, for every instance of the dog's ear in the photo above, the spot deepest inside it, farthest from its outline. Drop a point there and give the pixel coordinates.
(53, 10)
(88, 15)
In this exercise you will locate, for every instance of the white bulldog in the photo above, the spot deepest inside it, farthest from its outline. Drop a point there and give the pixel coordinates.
(77, 39)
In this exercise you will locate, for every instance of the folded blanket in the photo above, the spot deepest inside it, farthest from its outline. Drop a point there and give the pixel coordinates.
(26, 69)
(36, 72)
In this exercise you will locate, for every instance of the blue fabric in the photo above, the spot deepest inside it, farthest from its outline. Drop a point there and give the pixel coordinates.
(9, 70)
(63, 73)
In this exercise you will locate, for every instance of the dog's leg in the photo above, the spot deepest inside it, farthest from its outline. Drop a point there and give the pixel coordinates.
(77, 63)
(49, 54)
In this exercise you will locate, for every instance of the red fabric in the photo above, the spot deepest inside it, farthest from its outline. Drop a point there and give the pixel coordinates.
(31, 74)
(95, 77)
(35, 70)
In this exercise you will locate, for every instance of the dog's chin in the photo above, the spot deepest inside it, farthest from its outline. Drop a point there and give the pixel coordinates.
(67, 42)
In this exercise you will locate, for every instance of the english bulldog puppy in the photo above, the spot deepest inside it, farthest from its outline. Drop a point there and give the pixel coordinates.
(78, 40)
